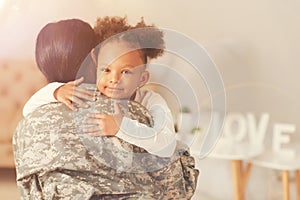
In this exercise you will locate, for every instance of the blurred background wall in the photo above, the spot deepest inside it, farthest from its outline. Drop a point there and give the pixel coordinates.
(251, 42)
(255, 45)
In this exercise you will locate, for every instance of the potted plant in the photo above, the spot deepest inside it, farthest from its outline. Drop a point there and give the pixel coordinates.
(185, 122)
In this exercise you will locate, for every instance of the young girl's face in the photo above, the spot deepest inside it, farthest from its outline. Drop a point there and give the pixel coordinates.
(120, 71)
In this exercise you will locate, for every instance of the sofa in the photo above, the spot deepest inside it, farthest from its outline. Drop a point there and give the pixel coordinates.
(19, 79)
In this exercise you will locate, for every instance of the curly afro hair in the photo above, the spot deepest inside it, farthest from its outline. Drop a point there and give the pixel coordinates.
(148, 37)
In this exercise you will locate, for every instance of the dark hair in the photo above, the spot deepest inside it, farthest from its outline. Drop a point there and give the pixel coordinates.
(147, 37)
(62, 47)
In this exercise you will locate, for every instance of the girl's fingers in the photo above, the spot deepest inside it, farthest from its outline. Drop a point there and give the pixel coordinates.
(84, 94)
(97, 115)
(95, 131)
(70, 105)
(117, 108)
(92, 121)
(96, 134)
(83, 90)
(78, 81)
(80, 102)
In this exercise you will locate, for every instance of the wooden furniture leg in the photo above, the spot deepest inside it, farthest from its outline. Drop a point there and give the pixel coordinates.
(297, 183)
(240, 178)
(237, 179)
(245, 176)
(286, 186)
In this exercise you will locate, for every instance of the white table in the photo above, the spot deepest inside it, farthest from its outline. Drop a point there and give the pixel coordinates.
(237, 153)
(284, 163)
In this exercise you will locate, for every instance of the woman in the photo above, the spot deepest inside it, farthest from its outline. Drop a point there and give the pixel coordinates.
(51, 158)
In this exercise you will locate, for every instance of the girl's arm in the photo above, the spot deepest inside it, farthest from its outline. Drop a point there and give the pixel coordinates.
(158, 140)
(41, 97)
(59, 92)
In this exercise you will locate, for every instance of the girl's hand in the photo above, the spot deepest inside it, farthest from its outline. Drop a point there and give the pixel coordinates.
(104, 124)
(69, 93)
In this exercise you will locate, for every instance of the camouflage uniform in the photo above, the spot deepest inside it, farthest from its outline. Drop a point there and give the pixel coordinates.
(56, 160)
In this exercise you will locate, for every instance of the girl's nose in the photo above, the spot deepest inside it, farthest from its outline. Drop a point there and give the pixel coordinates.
(115, 78)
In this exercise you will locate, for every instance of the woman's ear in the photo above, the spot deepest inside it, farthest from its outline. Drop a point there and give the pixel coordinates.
(144, 78)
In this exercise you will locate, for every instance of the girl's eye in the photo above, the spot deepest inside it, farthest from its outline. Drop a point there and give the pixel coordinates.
(126, 72)
(104, 69)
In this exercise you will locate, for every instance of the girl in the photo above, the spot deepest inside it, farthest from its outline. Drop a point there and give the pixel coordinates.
(121, 72)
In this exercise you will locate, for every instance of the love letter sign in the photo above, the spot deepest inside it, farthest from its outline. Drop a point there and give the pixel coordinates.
(239, 126)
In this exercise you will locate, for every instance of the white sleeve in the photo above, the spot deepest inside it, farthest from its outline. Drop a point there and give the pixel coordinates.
(159, 139)
(41, 97)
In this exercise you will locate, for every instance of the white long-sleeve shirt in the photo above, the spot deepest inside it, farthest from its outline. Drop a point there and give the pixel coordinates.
(158, 140)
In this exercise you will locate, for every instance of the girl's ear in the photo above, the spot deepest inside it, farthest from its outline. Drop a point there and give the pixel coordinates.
(144, 78)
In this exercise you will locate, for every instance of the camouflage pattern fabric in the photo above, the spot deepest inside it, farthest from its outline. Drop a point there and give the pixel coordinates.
(55, 160)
